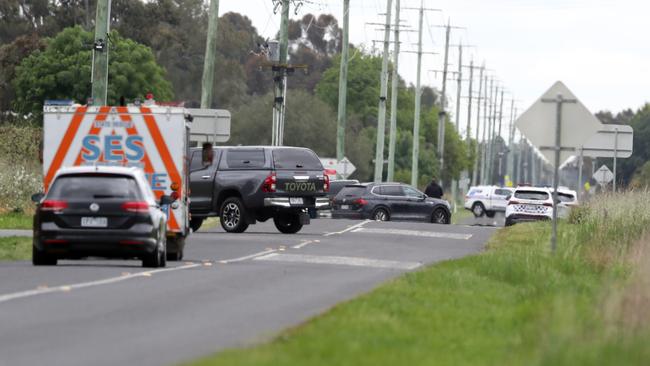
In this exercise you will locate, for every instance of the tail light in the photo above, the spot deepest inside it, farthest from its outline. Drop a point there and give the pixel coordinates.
(548, 204)
(269, 185)
(326, 184)
(135, 206)
(360, 202)
(54, 205)
(513, 202)
(174, 195)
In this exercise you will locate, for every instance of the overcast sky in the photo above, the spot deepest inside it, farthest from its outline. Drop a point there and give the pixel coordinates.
(599, 48)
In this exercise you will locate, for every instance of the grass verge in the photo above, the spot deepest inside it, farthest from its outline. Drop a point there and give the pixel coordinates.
(15, 221)
(515, 304)
(15, 248)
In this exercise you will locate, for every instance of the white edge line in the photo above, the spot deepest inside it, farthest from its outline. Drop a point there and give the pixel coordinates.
(247, 257)
(348, 229)
(107, 281)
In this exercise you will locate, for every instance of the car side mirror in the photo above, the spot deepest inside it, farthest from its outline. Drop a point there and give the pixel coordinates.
(37, 197)
(423, 197)
(166, 200)
(508, 197)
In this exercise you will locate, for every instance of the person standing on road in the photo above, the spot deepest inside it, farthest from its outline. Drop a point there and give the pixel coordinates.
(433, 189)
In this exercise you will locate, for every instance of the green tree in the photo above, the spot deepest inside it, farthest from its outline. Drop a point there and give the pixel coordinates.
(63, 69)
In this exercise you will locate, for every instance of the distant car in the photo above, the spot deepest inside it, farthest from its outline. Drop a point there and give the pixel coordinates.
(529, 204)
(487, 200)
(567, 200)
(100, 211)
(389, 201)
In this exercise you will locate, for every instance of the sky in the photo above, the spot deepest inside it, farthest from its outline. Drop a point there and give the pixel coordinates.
(599, 48)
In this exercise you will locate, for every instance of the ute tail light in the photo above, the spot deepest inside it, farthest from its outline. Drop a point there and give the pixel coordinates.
(360, 202)
(326, 184)
(135, 206)
(54, 205)
(269, 185)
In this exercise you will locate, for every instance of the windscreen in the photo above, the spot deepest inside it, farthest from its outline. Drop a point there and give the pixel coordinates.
(80, 187)
(296, 159)
(566, 197)
(531, 195)
(351, 191)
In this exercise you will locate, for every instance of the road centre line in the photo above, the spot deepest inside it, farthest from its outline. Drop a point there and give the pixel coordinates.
(348, 229)
(77, 286)
(336, 260)
(251, 256)
(303, 244)
(426, 234)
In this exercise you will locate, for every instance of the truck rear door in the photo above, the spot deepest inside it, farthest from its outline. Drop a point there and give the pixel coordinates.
(299, 175)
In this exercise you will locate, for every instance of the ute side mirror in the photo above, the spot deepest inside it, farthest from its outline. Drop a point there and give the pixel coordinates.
(37, 197)
(166, 200)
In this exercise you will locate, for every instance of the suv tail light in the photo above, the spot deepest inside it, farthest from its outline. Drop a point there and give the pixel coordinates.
(360, 202)
(326, 184)
(135, 206)
(513, 202)
(269, 185)
(54, 205)
(548, 204)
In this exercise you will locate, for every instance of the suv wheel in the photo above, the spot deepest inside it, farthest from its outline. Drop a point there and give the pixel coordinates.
(155, 259)
(478, 209)
(232, 216)
(42, 259)
(440, 216)
(380, 214)
(288, 224)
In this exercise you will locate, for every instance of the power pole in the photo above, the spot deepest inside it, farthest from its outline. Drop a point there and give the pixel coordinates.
(469, 103)
(100, 53)
(477, 150)
(207, 81)
(416, 116)
(393, 99)
(343, 85)
(280, 78)
(500, 153)
(488, 149)
(443, 103)
(511, 139)
(485, 128)
(381, 118)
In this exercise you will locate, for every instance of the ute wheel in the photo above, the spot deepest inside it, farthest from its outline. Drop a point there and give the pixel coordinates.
(232, 216)
(490, 214)
(178, 247)
(380, 214)
(288, 224)
(440, 216)
(478, 209)
(195, 224)
(42, 259)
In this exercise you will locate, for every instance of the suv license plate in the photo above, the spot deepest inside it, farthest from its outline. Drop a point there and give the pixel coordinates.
(296, 200)
(345, 207)
(94, 222)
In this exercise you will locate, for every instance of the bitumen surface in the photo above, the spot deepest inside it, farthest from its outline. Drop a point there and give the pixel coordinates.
(231, 290)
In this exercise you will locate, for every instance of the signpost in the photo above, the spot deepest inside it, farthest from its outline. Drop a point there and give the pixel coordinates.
(557, 144)
(603, 176)
(342, 168)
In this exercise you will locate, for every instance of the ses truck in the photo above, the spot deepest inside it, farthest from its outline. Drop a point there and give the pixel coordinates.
(151, 137)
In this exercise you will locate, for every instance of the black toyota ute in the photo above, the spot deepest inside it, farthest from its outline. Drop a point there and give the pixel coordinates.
(245, 184)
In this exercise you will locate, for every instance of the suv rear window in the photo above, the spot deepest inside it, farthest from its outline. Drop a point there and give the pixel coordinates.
(352, 191)
(242, 159)
(566, 197)
(296, 159)
(94, 187)
(531, 195)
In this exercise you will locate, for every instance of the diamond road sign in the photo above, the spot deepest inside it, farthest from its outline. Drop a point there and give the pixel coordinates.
(343, 168)
(603, 175)
(539, 121)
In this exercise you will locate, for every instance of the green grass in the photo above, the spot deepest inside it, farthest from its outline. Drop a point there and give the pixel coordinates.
(15, 248)
(15, 221)
(515, 304)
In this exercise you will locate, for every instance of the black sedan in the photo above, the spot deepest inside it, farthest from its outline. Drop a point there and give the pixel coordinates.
(389, 201)
(100, 211)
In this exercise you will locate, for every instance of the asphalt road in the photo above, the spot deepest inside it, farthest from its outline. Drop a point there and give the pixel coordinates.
(231, 290)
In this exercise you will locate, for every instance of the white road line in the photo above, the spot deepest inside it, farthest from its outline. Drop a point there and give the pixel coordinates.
(303, 244)
(347, 261)
(240, 259)
(107, 281)
(426, 234)
(348, 229)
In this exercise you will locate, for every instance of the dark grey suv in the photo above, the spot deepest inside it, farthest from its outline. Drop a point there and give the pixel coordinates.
(389, 201)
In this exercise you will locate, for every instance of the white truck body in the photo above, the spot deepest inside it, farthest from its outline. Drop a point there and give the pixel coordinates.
(487, 199)
(150, 137)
